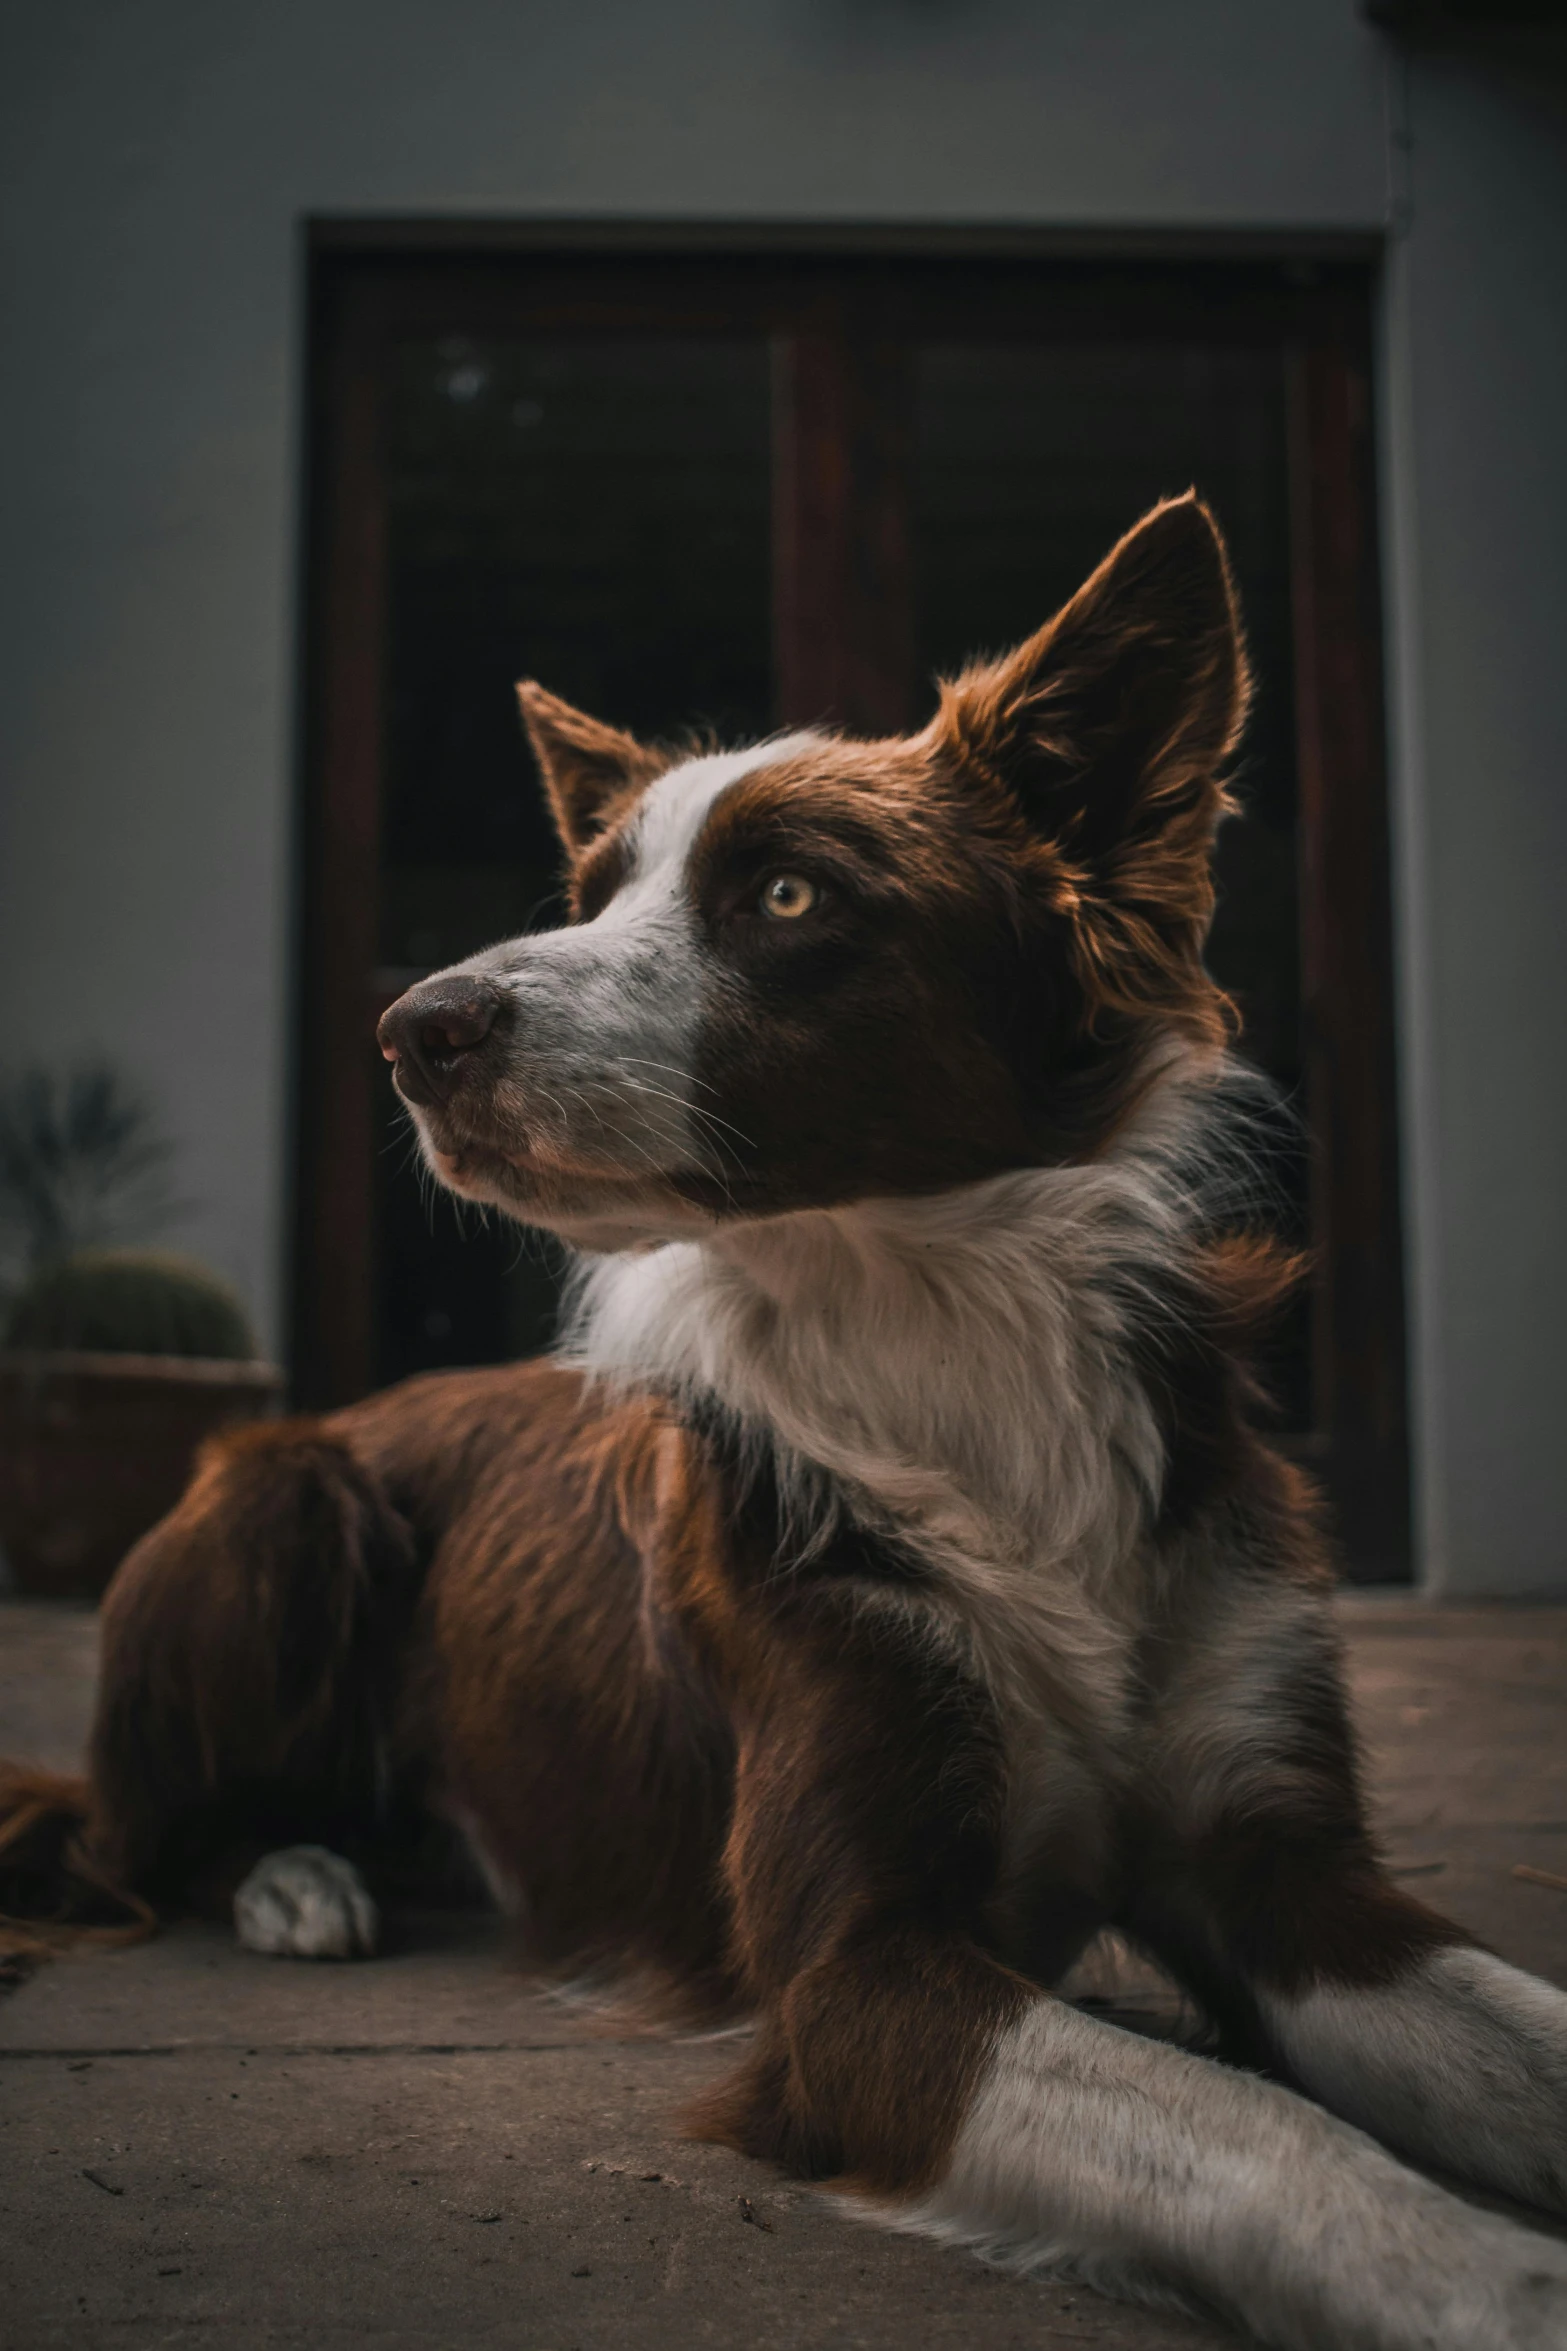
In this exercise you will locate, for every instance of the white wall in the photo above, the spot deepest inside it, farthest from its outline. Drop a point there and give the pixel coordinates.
(155, 163)
(1477, 494)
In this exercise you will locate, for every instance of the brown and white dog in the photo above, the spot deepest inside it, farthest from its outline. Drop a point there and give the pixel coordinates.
(884, 1587)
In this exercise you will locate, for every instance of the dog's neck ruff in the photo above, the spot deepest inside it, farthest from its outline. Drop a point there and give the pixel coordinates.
(959, 1365)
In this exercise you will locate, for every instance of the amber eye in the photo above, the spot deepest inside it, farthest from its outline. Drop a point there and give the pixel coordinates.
(788, 895)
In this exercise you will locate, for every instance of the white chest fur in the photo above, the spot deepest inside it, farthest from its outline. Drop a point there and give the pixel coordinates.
(959, 1366)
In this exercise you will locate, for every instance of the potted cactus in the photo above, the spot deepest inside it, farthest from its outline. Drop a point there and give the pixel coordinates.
(115, 1361)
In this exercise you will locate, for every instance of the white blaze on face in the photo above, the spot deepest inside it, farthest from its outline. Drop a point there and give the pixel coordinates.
(608, 1012)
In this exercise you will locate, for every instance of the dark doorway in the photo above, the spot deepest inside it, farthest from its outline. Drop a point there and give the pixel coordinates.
(731, 492)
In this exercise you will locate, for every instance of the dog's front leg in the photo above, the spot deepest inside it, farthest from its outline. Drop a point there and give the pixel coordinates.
(1147, 2170)
(1257, 1880)
(941, 2092)
(949, 2100)
(1459, 2060)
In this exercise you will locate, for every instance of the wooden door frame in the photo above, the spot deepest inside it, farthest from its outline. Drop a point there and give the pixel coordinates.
(841, 561)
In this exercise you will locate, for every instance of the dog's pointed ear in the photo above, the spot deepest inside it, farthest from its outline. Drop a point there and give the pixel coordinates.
(1111, 725)
(588, 768)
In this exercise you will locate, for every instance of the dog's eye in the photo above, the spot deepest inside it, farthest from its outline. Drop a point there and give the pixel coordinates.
(787, 896)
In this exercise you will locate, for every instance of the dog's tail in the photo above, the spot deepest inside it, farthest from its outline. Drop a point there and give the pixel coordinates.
(248, 1663)
(52, 1892)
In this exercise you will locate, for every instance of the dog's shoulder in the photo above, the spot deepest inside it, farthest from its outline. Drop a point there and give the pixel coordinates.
(501, 1437)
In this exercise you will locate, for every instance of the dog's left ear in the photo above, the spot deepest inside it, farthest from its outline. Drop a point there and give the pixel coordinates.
(589, 769)
(1110, 725)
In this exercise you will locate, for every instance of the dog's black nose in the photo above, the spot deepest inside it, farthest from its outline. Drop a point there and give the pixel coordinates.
(426, 1033)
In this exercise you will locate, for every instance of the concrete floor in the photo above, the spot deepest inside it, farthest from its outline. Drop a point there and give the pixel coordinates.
(419, 2152)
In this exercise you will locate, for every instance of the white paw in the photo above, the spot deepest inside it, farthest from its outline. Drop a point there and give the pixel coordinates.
(306, 1903)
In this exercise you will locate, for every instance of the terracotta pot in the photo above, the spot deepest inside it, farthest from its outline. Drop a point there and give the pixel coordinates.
(95, 1448)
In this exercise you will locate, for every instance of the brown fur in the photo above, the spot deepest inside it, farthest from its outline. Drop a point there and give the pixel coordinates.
(590, 771)
(53, 1890)
(1111, 728)
(1276, 1884)
(1039, 863)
